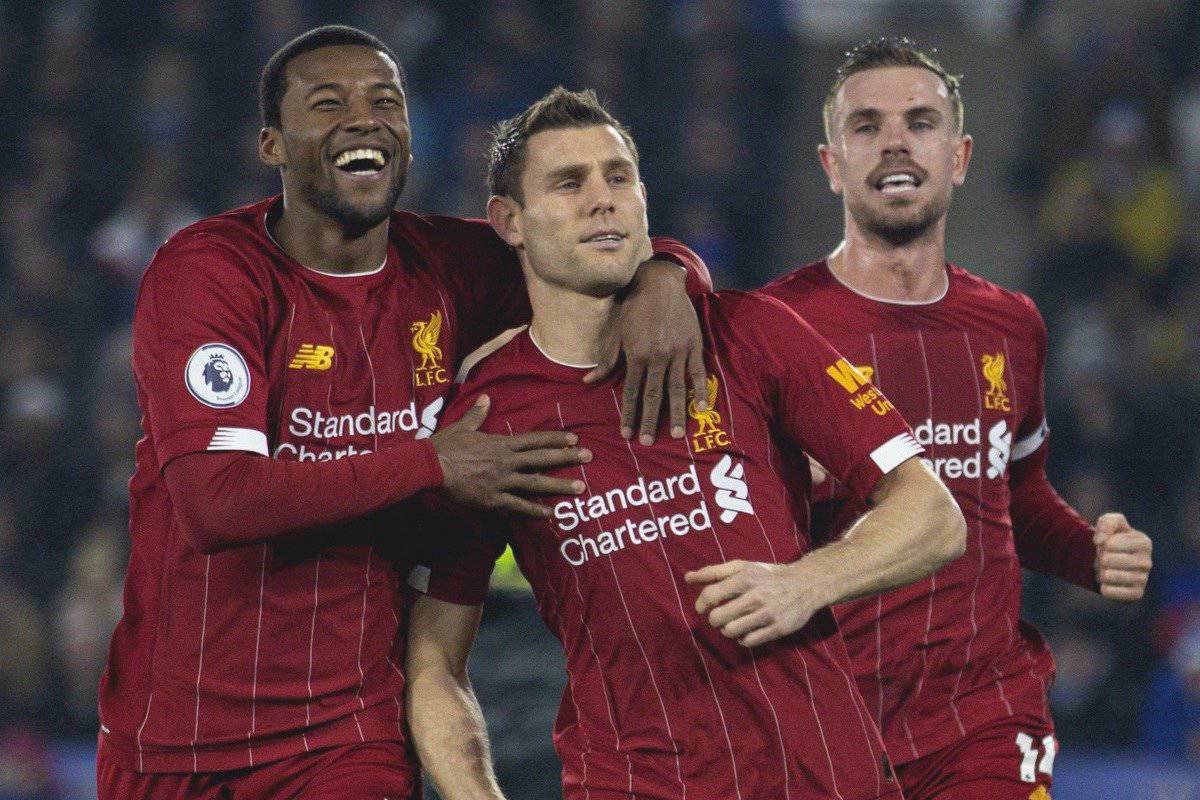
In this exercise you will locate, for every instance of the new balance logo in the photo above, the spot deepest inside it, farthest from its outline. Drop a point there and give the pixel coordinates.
(312, 356)
(733, 495)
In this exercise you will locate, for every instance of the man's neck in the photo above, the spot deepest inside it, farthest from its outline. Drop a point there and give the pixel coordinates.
(910, 273)
(320, 243)
(567, 325)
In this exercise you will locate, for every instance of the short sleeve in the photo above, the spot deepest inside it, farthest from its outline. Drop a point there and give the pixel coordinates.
(459, 552)
(198, 351)
(1033, 430)
(821, 403)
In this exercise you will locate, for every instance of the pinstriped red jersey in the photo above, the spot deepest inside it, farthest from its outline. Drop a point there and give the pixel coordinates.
(262, 652)
(949, 653)
(659, 704)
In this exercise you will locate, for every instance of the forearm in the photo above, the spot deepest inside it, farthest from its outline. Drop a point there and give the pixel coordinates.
(1050, 536)
(450, 735)
(916, 529)
(697, 280)
(226, 500)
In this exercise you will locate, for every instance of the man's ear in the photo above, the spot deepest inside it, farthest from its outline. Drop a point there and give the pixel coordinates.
(962, 158)
(270, 147)
(829, 164)
(504, 213)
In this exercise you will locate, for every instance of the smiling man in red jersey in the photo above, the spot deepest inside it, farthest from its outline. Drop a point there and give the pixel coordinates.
(292, 358)
(955, 679)
(667, 538)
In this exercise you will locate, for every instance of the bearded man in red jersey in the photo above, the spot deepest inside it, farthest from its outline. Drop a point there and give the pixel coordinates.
(658, 704)
(955, 679)
(292, 358)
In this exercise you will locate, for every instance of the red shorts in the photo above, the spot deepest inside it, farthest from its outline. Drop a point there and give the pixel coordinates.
(1010, 759)
(370, 771)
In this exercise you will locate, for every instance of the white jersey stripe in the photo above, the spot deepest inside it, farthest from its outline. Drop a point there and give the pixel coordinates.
(312, 636)
(878, 381)
(262, 583)
(200, 664)
(362, 632)
(979, 499)
(683, 614)
(149, 700)
(673, 745)
(245, 439)
(753, 658)
(933, 576)
(587, 629)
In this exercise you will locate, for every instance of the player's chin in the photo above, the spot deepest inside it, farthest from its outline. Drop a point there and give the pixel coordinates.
(605, 280)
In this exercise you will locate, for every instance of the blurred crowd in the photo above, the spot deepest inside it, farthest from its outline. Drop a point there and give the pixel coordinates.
(125, 121)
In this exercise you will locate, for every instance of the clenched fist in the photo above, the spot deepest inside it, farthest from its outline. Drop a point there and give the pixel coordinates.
(1122, 558)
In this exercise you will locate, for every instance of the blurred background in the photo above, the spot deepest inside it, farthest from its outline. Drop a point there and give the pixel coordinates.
(124, 121)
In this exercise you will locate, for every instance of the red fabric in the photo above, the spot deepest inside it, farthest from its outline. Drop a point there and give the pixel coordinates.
(1051, 537)
(986, 764)
(948, 652)
(698, 280)
(226, 500)
(351, 772)
(240, 656)
(657, 700)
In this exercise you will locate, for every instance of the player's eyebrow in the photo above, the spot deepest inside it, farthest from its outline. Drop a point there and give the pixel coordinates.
(320, 86)
(618, 163)
(862, 115)
(923, 111)
(575, 171)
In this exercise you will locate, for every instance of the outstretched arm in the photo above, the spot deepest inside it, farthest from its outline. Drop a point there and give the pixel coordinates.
(914, 528)
(447, 724)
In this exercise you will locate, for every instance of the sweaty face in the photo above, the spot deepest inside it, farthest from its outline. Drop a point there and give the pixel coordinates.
(895, 155)
(582, 225)
(345, 136)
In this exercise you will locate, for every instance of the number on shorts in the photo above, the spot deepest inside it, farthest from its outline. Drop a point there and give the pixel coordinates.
(1030, 765)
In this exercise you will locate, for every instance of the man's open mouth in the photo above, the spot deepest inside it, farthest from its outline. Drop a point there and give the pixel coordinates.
(896, 182)
(605, 236)
(361, 161)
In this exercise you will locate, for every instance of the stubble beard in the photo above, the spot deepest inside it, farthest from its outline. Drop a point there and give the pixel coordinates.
(355, 220)
(900, 230)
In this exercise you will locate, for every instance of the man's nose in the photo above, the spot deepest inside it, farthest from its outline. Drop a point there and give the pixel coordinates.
(600, 196)
(360, 116)
(895, 139)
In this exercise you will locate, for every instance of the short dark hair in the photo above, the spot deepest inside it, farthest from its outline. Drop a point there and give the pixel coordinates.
(273, 82)
(893, 51)
(560, 108)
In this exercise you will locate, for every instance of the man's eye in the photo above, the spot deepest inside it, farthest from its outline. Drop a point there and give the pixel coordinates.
(387, 101)
(866, 128)
(619, 178)
(328, 102)
(922, 125)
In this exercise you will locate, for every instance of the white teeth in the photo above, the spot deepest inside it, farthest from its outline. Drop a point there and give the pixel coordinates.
(900, 177)
(362, 154)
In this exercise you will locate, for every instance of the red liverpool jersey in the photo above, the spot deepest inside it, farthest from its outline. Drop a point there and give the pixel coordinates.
(659, 704)
(949, 653)
(261, 652)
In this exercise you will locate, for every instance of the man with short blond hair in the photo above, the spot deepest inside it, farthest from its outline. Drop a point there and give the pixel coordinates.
(955, 679)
